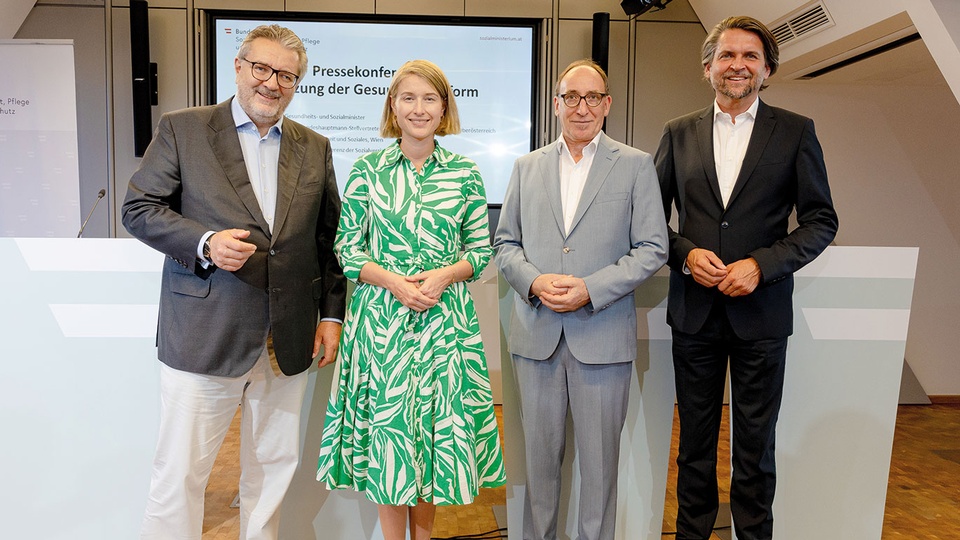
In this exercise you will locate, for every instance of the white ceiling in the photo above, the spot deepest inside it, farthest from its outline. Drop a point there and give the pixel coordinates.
(910, 64)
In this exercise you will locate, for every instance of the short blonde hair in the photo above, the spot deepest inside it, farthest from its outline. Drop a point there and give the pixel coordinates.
(428, 71)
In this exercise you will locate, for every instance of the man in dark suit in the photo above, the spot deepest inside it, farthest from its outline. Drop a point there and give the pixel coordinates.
(244, 204)
(735, 171)
(581, 227)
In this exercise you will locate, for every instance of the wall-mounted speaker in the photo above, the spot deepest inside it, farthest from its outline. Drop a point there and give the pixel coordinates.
(144, 74)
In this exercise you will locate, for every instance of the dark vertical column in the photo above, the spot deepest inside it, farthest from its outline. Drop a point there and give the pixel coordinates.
(600, 48)
(600, 51)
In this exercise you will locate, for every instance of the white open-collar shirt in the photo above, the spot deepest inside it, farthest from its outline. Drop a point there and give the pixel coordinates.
(730, 140)
(573, 176)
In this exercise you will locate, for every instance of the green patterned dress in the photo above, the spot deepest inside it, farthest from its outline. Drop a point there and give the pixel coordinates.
(411, 412)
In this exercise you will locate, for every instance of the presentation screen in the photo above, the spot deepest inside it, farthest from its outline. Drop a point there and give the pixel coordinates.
(491, 64)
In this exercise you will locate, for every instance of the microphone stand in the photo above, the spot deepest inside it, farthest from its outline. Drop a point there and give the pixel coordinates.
(95, 203)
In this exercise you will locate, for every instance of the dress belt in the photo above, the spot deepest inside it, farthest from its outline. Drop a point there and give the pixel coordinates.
(415, 265)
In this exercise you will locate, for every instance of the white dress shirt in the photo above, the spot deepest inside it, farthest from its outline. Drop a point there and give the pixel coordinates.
(730, 139)
(573, 176)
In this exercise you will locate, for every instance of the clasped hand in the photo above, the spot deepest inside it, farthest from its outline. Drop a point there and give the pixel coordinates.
(561, 293)
(738, 278)
(421, 291)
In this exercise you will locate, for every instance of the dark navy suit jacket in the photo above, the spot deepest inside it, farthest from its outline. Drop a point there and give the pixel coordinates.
(782, 171)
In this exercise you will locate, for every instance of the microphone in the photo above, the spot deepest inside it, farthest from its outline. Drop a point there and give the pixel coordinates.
(95, 203)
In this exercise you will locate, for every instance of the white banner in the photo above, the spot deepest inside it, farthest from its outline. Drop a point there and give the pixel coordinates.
(39, 169)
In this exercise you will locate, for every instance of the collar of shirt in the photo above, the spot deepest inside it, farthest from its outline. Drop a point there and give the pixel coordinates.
(749, 114)
(588, 151)
(261, 155)
(241, 120)
(392, 155)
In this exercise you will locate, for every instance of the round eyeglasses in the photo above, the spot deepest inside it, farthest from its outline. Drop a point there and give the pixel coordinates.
(263, 72)
(572, 99)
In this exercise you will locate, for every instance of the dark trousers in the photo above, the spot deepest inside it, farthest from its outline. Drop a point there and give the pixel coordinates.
(756, 384)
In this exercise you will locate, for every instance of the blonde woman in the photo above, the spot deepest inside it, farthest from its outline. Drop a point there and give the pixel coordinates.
(410, 421)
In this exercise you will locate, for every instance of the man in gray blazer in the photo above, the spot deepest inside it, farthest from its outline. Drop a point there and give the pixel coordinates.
(581, 227)
(244, 204)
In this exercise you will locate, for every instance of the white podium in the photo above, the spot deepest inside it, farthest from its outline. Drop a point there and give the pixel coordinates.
(80, 405)
(844, 362)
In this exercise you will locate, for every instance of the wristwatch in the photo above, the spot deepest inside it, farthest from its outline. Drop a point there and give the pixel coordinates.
(206, 250)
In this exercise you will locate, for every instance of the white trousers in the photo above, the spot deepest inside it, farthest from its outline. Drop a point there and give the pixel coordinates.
(195, 414)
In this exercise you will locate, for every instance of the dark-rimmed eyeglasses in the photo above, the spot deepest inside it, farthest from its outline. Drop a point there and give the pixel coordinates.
(263, 72)
(572, 99)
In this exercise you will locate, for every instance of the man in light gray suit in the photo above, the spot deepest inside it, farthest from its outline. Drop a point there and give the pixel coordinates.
(580, 228)
(244, 204)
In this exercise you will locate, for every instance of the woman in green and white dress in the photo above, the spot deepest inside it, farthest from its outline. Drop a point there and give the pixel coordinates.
(410, 421)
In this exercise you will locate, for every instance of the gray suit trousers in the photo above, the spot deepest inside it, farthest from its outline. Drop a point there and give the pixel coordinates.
(597, 395)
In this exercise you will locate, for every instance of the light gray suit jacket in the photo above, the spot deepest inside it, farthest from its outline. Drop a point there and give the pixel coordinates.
(618, 239)
(193, 179)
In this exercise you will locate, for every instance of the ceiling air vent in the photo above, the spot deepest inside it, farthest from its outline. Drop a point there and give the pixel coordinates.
(803, 22)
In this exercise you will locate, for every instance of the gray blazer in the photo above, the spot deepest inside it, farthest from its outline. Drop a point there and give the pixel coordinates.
(193, 179)
(618, 239)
